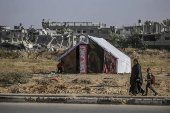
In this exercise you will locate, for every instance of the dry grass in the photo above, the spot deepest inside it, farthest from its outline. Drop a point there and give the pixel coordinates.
(112, 84)
(103, 84)
(43, 61)
(28, 65)
(157, 60)
(157, 65)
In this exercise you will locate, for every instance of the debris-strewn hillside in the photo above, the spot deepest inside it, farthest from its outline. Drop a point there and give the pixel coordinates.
(14, 77)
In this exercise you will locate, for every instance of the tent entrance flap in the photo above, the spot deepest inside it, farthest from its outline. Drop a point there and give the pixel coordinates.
(70, 62)
(95, 57)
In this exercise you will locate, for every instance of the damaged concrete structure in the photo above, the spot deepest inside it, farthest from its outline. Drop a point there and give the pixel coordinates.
(36, 39)
(64, 35)
(153, 34)
(80, 28)
(54, 35)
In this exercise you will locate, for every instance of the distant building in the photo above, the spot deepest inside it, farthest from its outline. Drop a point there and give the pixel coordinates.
(124, 32)
(63, 35)
(80, 28)
(151, 33)
(4, 33)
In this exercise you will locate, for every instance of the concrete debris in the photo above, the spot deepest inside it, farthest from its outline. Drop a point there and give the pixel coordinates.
(32, 40)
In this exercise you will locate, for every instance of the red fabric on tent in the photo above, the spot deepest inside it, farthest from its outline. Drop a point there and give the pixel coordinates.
(109, 65)
(83, 58)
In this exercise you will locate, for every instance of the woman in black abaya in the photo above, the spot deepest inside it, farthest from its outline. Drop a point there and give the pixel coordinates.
(136, 79)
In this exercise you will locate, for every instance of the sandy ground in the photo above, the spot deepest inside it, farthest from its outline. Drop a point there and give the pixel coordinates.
(105, 84)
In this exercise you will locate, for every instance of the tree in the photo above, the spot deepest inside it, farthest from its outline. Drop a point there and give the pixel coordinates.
(116, 39)
(148, 23)
(167, 22)
(133, 40)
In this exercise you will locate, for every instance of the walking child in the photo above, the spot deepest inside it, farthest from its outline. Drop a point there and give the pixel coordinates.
(149, 84)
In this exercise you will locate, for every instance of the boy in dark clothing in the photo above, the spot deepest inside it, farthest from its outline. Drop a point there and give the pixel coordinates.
(60, 67)
(149, 85)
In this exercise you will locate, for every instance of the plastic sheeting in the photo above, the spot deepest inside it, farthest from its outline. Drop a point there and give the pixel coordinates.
(83, 58)
(123, 61)
(110, 62)
(95, 57)
(123, 64)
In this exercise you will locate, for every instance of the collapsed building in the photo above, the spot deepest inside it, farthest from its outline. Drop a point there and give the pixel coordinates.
(64, 35)
(54, 35)
(35, 39)
(79, 28)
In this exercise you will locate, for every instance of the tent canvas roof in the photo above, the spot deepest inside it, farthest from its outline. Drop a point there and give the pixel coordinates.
(110, 48)
(123, 61)
(104, 44)
(84, 41)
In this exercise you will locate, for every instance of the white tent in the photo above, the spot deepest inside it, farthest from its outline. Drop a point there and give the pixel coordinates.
(123, 62)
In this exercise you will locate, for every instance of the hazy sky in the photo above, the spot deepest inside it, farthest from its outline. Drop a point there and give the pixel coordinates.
(110, 12)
